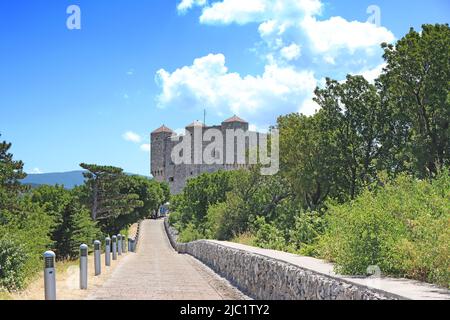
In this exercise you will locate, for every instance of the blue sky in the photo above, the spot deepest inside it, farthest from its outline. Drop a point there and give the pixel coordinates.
(94, 95)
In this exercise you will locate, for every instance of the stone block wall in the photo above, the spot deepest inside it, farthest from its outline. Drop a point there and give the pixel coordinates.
(264, 278)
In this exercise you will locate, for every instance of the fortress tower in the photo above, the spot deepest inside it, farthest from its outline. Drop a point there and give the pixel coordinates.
(162, 143)
(160, 155)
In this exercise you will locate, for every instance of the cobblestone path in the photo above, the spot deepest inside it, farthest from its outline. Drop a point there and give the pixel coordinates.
(157, 272)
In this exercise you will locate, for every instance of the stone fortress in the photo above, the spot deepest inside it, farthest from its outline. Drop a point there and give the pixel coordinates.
(164, 140)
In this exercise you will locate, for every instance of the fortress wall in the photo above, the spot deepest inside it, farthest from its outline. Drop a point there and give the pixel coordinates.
(161, 151)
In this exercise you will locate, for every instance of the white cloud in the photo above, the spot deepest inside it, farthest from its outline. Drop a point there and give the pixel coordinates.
(309, 107)
(371, 74)
(242, 12)
(337, 33)
(145, 147)
(208, 82)
(132, 137)
(285, 23)
(185, 5)
(298, 47)
(36, 171)
(291, 52)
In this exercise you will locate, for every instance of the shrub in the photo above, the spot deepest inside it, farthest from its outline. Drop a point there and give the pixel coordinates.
(267, 236)
(404, 228)
(190, 233)
(13, 259)
(307, 229)
(246, 238)
(227, 219)
(28, 225)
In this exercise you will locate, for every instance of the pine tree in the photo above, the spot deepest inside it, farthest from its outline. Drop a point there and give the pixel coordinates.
(76, 228)
(11, 171)
(105, 197)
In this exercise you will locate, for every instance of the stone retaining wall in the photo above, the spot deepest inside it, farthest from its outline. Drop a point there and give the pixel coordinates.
(265, 278)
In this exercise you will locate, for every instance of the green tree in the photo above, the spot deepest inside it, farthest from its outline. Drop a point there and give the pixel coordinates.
(76, 228)
(72, 224)
(350, 117)
(308, 158)
(150, 192)
(105, 196)
(11, 171)
(54, 200)
(415, 89)
(203, 191)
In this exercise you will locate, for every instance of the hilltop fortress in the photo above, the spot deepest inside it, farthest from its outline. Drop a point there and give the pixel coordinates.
(201, 149)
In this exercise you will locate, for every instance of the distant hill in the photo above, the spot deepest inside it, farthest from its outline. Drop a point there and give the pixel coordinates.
(68, 179)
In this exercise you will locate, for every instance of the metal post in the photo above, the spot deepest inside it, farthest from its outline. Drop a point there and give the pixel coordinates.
(119, 244)
(124, 244)
(97, 257)
(107, 251)
(83, 266)
(49, 275)
(129, 245)
(114, 247)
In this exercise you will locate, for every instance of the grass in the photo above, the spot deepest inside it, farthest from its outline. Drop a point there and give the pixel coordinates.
(246, 238)
(5, 296)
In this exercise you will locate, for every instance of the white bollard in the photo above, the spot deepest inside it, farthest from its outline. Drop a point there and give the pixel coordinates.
(114, 247)
(49, 275)
(107, 251)
(97, 257)
(119, 244)
(83, 266)
(124, 244)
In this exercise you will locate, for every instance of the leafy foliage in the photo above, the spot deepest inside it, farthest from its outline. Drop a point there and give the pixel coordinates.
(415, 89)
(11, 171)
(106, 197)
(12, 264)
(404, 228)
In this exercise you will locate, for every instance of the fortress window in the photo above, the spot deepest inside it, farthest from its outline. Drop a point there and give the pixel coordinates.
(171, 179)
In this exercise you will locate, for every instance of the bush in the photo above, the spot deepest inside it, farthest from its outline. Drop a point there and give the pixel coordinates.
(12, 264)
(199, 194)
(308, 227)
(404, 228)
(27, 224)
(227, 219)
(190, 233)
(268, 236)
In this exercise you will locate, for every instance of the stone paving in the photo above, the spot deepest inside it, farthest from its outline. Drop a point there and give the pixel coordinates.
(157, 272)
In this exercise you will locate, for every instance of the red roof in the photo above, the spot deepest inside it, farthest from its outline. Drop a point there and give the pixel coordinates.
(235, 119)
(163, 129)
(195, 124)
